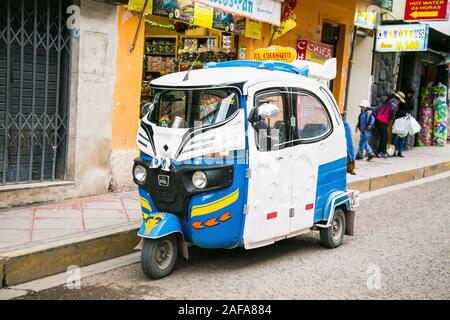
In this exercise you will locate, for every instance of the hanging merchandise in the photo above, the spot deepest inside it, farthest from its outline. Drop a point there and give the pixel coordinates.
(288, 19)
(223, 21)
(440, 116)
(138, 5)
(203, 15)
(253, 29)
(426, 116)
(164, 8)
(153, 24)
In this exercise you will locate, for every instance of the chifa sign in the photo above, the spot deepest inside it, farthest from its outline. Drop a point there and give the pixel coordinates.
(275, 53)
(314, 51)
(426, 10)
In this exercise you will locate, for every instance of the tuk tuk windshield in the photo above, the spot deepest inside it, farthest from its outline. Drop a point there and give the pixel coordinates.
(179, 108)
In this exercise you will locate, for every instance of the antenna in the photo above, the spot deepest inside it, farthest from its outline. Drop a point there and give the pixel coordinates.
(186, 77)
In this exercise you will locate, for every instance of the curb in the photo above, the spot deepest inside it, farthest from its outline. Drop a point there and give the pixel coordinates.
(51, 257)
(380, 182)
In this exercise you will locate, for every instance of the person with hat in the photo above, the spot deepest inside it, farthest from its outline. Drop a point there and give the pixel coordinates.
(365, 124)
(404, 109)
(384, 118)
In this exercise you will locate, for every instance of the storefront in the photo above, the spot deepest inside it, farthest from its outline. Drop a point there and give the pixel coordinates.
(165, 41)
(183, 35)
(416, 62)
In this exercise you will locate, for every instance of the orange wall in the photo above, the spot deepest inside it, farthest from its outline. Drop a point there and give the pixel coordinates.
(310, 16)
(128, 82)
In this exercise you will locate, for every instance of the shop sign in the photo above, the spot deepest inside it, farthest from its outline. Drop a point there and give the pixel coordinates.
(223, 21)
(314, 51)
(366, 20)
(275, 53)
(405, 37)
(203, 15)
(259, 10)
(416, 10)
(285, 26)
(253, 29)
(138, 5)
(184, 11)
(164, 8)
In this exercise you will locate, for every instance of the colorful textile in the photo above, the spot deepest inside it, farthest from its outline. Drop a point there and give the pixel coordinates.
(440, 116)
(426, 116)
(426, 122)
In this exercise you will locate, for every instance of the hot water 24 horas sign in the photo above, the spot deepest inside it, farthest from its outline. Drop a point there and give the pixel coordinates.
(426, 10)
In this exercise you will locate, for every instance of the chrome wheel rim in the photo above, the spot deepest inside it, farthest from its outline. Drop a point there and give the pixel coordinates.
(336, 229)
(164, 254)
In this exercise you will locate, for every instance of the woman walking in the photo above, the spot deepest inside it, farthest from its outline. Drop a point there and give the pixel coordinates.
(384, 118)
(403, 110)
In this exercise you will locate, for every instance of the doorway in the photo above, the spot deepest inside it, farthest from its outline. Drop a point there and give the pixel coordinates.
(331, 35)
(34, 90)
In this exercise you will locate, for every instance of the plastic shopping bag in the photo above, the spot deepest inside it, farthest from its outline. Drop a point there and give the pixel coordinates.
(401, 127)
(413, 126)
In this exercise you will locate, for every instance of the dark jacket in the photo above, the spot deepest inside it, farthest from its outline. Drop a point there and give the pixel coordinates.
(405, 108)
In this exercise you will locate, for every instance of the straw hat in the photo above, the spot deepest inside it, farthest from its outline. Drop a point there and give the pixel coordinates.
(364, 103)
(401, 96)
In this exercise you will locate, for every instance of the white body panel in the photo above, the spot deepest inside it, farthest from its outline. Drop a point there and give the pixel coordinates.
(270, 187)
(286, 179)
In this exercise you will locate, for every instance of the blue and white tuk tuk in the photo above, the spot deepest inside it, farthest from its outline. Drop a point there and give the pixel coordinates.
(241, 154)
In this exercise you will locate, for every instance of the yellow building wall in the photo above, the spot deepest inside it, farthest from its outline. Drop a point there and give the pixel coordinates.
(310, 17)
(128, 82)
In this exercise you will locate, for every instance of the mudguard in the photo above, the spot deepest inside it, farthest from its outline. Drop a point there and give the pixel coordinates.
(334, 200)
(159, 224)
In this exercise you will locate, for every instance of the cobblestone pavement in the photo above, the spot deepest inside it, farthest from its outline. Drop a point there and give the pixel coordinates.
(401, 251)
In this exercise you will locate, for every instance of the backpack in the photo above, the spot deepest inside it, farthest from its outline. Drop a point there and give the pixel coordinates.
(370, 116)
(383, 114)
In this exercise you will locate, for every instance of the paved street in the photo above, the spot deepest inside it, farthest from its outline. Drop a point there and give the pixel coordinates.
(402, 240)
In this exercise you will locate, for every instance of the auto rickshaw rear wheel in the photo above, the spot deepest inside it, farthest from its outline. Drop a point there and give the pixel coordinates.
(158, 256)
(333, 236)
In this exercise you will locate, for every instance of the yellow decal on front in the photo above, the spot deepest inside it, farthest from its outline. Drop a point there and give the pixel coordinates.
(145, 204)
(214, 206)
(152, 222)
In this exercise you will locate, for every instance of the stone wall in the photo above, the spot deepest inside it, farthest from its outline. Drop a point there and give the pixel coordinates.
(384, 77)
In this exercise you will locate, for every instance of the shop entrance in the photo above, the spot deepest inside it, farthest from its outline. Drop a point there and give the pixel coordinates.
(424, 73)
(330, 35)
(34, 79)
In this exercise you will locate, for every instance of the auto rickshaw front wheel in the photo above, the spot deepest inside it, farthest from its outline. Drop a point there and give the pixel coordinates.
(158, 256)
(333, 236)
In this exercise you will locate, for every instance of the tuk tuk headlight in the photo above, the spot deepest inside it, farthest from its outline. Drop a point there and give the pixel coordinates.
(199, 180)
(140, 174)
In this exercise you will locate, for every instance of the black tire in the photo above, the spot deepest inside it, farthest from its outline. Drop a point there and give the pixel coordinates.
(334, 236)
(159, 256)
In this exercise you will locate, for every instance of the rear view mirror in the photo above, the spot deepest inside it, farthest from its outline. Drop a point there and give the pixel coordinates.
(267, 110)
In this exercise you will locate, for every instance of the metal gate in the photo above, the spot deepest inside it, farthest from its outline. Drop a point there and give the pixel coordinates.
(34, 87)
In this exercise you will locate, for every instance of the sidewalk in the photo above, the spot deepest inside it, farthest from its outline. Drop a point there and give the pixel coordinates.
(41, 240)
(418, 163)
(41, 222)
